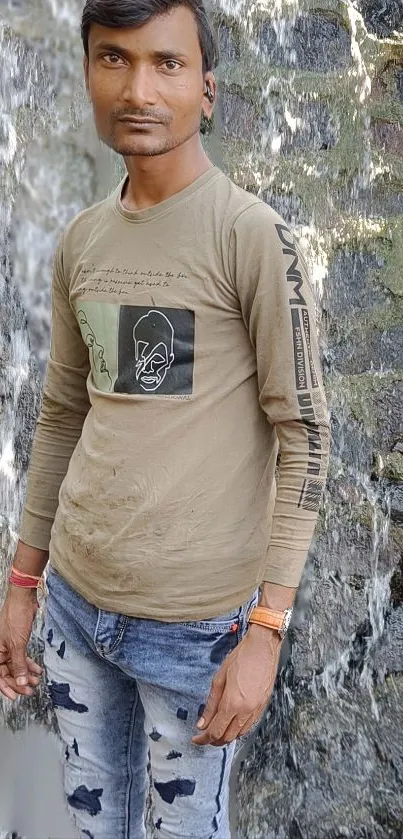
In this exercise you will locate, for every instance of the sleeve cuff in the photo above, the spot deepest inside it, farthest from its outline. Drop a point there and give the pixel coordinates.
(284, 567)
(35, 530)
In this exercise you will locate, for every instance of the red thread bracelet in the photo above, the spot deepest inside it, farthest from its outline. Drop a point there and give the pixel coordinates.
(22, 574)
(18, 578)
(17, 581)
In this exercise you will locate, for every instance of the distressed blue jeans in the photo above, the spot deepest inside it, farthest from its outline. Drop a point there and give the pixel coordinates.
(127, 694)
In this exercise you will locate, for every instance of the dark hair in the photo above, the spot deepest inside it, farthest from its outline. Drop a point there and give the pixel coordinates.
(122, 13)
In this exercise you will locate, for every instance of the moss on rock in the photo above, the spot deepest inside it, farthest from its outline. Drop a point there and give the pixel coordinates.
(358, 391)
(391, 466)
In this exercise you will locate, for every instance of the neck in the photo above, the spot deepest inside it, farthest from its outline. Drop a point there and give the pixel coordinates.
(153, 179)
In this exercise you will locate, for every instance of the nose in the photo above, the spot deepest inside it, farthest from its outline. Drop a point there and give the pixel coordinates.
(149, 368)
(139, 91)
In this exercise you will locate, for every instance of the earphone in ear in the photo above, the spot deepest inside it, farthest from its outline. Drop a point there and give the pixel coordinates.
(209, 93)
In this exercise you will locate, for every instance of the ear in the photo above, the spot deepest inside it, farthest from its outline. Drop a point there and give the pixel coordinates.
(209, 100)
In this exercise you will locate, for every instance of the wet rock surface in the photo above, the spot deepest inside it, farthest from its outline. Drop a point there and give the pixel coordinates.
(382, 18)
(320, 768)
(359, 744)
(347, 291)
(388, 138)
(315, 42)
(239, 117)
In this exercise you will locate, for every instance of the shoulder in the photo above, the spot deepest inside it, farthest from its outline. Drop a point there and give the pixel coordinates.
(83, 226)
(245, 215)
(258, 218)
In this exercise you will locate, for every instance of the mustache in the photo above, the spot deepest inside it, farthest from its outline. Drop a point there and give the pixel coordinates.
(160, 116)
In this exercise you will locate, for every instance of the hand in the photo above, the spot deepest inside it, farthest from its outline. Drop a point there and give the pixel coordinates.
(19, 674)
(241, 688)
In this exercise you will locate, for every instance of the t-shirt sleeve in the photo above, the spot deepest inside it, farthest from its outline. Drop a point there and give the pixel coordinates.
(65, 404)
(278, 308)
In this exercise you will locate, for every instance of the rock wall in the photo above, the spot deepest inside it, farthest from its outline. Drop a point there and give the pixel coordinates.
(310, 118)
(312, 123)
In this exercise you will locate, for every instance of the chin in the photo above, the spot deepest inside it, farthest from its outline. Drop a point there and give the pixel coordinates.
(143, 151)
(143, 146)
(139, 150)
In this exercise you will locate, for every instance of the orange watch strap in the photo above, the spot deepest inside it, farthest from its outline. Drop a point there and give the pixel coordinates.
(266, 617)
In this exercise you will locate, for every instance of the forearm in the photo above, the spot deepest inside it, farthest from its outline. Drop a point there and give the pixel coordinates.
(300, 484)
(277, 597)
(56, 437)
(30, 560)
(65, 405)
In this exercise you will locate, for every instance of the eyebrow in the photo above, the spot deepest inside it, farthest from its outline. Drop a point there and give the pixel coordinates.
(167, 53)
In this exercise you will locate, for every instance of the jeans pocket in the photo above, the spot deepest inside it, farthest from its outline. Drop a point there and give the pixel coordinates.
(223, 623)
(233, 621)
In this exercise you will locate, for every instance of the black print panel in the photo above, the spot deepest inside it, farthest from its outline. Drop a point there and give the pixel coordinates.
(155, 351)
(311, 495)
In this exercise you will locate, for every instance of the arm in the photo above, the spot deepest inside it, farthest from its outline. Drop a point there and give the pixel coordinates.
(29, 560)
(279, 312)
(278, 309)
(65, 405)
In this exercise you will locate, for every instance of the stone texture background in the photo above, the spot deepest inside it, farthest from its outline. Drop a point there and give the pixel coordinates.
(318, 133)
(311, 120)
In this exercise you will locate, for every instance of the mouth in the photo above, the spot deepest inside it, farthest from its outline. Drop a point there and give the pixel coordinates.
(140, 122)
(149, 380)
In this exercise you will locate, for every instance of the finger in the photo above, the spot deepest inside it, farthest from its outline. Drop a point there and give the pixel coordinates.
(7, 691)
(34, 669)
(248, 725)
(33, 666)
(233, 731)
(238, 725)
(19, 666)
(213, 700)
(213, 734)
(5, 673)
(8, 679)
(252, 722)
(10, 682)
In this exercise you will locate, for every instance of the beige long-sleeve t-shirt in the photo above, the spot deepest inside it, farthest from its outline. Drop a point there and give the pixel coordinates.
(183, 358)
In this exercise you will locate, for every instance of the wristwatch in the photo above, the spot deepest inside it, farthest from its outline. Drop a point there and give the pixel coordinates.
(271, 618)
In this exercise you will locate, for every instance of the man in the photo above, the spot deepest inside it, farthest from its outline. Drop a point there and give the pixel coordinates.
(163, 443)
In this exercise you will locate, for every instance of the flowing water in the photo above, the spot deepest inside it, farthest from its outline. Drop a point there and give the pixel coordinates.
(299, 84)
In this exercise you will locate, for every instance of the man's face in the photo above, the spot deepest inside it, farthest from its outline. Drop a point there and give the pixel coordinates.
(151, 72)
(153, 336)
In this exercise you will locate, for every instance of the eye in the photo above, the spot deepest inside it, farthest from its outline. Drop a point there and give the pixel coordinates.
(111, 55)
(171, 64)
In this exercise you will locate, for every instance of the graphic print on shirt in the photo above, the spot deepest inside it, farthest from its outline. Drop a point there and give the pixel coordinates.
(145, 350)
(155, 351)
(153, 360)
(306, 377)
(98, 322)
(97, 354)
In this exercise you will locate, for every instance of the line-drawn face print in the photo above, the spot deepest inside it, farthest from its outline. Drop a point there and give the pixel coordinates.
(155, 350)
(97, 350)
(153, 335)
